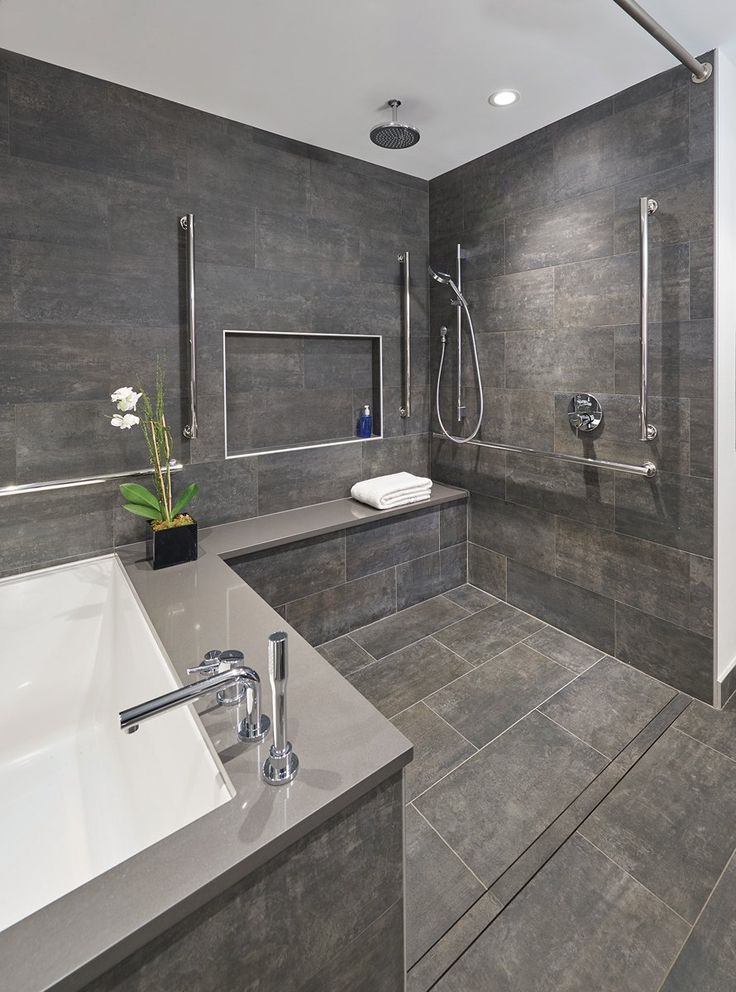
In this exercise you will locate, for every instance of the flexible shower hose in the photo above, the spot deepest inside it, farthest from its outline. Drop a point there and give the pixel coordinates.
(451, 437)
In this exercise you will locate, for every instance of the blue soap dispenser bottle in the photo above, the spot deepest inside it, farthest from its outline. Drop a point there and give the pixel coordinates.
(365, 422)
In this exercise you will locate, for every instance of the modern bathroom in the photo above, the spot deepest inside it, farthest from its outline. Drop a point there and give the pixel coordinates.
(367, 473)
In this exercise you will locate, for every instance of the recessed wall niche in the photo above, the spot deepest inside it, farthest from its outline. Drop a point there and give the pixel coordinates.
(286, 390)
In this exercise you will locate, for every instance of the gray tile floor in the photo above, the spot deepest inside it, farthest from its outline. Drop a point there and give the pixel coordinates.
(512, 721)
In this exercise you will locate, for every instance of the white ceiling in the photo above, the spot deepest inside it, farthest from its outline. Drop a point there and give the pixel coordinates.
(320, 70)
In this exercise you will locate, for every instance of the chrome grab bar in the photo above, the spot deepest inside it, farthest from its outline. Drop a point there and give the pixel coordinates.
(405, 409)
(647, 206)
(192, 428)
(92, 480)
(648, 470)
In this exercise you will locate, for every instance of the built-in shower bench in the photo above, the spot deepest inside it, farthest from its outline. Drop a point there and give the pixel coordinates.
(244, 537)
(332, 567)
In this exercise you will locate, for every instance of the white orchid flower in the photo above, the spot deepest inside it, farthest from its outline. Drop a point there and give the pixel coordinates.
(125, 398)
(125, 421)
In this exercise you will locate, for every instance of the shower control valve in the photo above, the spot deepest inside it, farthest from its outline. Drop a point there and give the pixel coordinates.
(584, 413)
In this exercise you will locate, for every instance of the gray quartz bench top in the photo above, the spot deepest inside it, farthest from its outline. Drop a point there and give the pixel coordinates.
(287, 526)
(345, 747)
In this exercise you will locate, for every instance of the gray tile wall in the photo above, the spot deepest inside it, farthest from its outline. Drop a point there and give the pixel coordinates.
(326, 586)
(551, 226)
(289, 238)
(338, 896)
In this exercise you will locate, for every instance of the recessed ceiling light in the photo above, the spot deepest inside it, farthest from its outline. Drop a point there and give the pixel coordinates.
(503, 98)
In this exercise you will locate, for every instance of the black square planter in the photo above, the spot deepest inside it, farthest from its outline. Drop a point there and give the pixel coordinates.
(173, 546)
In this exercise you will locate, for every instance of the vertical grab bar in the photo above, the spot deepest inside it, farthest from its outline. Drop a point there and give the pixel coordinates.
(647, 431)
(405, 409)
(192, 428)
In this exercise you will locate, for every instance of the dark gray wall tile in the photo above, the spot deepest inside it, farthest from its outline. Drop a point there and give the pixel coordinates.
(453, 524)
(516, 302)
(298, 478)
(669, 509)
(514, 531)
(573, 360)
(685, 207)
(584, 614)
(702, 437)
(605, 291)
(585, 494)
(520, 416)
(395, 454)
(295, 570)
(378, 545)
(681, 357)
(666, 651)
(701, 279)
(639, 139)
(487, 570)
(478, 469)
(7, 444)
(418, 580)
(454, 566)
(326, 615)
(561, 232)
(651, 577)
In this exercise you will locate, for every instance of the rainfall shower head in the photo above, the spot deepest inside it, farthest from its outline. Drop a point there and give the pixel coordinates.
(393, 134)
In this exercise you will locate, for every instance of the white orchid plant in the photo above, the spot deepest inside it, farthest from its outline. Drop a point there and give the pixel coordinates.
(159, 507)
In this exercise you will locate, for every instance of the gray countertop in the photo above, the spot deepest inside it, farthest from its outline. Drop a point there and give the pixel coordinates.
(344, 745)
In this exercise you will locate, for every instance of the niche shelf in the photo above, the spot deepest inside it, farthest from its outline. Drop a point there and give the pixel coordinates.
(286, 390)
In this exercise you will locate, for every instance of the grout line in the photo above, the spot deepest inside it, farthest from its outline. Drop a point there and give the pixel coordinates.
(709, 746)
(493, 739)
(448, 846)
(567, 731)
(632, 877)
(697, 918)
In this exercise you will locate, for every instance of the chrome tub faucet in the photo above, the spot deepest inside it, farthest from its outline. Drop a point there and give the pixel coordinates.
(282, 764)
(224, 673)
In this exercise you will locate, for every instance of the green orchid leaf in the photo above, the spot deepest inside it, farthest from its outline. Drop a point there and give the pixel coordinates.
(139, 494)
(186, 497)
(143, 511)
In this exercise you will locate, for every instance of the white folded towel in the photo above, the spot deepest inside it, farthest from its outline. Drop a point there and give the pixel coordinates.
(387, 492)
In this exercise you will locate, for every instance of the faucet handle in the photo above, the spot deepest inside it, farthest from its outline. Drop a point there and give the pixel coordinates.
(209, 665)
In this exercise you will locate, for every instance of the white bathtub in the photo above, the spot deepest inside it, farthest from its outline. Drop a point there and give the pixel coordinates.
(77, 796)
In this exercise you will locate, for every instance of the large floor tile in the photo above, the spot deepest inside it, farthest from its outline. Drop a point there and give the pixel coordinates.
(439, 888)
(564, 649)
(670, 821)
(707, 962)
(608, 705)
(345, 655)
(581, 925)
(496, 804)
(410, 625)
(437, 748)
(403, 678)
(716, 728)
(471, 599)
(489, 699)
(489, 632)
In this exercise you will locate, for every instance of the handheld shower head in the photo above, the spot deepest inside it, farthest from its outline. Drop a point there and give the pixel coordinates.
(442, 277)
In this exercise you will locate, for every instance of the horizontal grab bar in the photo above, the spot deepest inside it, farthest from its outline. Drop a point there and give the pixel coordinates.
(92, 480)
(648, 469)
